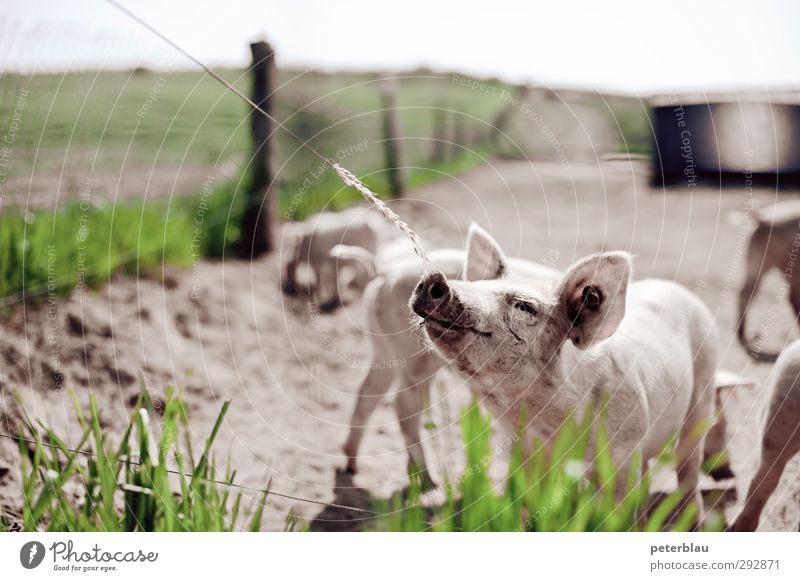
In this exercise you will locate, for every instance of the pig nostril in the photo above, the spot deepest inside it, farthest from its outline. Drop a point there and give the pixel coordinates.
(438, 290)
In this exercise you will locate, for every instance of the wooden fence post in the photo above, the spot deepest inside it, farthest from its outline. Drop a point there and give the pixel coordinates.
(258, 221)
(459, 136)
(439, 134)
(500, 124)
(391, 140)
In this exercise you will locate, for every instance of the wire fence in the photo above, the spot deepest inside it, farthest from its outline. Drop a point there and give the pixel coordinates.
(267, 491)
(143, 133)
(154, 133)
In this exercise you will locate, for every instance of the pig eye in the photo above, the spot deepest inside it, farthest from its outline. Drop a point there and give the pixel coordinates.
(525, 307)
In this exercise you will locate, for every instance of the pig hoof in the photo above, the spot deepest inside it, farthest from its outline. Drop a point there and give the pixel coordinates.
(428, 483)
(738, 527)
(722, 473)
(330, 306)
(352, 465)
(422, 475)
(289, 289)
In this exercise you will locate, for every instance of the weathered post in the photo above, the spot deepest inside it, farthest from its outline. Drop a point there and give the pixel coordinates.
(459, 144)
(501, 121)
(391, 139)
(439, 134)
(258, 221)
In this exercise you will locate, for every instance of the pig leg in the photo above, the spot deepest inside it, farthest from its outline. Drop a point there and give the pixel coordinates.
(374, 387)
(762, 486)
(315, 286)
(409, 406)
(290, 278)
(776, 451)
(290, 286)
(623, 457)
(329, 298)
(756, 266)
(691, 440)
(690, 461)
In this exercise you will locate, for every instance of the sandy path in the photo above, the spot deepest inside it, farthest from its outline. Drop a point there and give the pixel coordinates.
(292, 374)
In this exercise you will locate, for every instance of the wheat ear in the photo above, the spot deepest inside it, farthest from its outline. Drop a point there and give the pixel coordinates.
(351, 180)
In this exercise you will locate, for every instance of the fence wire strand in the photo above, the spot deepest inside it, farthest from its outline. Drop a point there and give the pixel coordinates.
(347, 177)
(267, 491)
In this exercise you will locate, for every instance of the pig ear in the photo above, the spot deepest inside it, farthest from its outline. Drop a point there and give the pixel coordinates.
(485, 260)
(593, 296)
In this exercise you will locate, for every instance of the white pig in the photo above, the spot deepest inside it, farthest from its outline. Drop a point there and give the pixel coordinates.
(399, 356)
(780, 426)
(774, 244)
(313, 240)
(650, 347)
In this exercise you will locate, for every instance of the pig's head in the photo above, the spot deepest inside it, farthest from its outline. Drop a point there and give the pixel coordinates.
(498, 326)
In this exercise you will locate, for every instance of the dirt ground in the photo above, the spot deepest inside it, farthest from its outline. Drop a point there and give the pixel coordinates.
(224, 331)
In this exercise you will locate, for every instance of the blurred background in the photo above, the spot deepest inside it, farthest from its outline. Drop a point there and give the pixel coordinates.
(590, 83)
(133, 185)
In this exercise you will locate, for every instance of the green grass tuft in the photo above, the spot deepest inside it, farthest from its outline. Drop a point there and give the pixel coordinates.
(546, 490)
(53, 252)
(128, 486)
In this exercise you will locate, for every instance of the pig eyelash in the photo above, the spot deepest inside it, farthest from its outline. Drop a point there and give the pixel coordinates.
(525, 308)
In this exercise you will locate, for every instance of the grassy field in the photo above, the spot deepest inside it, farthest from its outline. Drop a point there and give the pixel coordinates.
(75, 138)
(546, 490)
(630, 118)
(104, 121)
(151, 481)
(128, 486)
(82, 125)
(52, 252)
(92, 122)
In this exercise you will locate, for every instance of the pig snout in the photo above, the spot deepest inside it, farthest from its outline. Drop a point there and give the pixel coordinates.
(433, 296)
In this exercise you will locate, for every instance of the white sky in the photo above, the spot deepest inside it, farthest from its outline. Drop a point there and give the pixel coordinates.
(634, 46)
